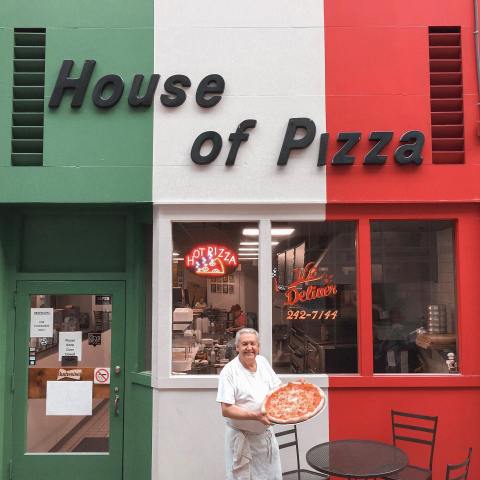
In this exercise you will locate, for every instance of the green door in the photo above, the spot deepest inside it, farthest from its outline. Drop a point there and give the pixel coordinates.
(69, 380)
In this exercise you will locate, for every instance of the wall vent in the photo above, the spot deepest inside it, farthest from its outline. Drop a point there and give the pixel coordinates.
(28, 96)
(446, 94)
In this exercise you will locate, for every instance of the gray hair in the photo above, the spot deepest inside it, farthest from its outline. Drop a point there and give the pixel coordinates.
(244, 331)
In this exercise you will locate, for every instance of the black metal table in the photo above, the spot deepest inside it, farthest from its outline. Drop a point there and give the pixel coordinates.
(356, 458)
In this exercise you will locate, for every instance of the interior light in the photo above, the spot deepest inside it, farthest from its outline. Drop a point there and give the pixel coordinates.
(277, 232)
(248, 258)
(248, 249)
(282, 232)
(256, 243)
(175, 254)
(247, 254)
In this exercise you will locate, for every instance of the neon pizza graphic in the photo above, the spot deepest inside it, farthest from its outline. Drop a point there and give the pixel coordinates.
(211, 260)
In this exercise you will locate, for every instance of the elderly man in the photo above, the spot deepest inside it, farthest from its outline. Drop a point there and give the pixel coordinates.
(251, 449)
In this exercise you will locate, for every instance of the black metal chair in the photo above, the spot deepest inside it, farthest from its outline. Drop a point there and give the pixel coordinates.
(452, 468)
(299, 473)
(417, 429)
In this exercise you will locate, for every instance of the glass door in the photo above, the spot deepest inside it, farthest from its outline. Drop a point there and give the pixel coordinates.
(69, 380)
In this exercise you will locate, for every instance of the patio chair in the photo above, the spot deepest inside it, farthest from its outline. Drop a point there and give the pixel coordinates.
(452, 469)
(299, 473)
(416, 429)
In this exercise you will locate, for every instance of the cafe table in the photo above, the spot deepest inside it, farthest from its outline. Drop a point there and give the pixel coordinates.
(356, 458)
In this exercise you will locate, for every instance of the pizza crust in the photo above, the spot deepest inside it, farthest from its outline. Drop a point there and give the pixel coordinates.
(298, 418)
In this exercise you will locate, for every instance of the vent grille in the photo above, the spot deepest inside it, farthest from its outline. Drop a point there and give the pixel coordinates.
(28, 96)
(446, 94)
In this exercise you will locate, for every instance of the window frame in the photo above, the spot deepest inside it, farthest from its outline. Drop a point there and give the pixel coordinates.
(164, 216)
(467, 227)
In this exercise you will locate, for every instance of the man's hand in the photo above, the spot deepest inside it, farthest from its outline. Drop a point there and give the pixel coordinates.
(262, 417)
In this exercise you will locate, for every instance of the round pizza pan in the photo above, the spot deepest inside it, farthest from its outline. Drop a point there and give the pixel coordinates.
(321, 406)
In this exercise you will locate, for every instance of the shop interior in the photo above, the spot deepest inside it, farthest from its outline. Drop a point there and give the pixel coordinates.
(414, 297)
(64, 351)
(209, 309)
(314, 299)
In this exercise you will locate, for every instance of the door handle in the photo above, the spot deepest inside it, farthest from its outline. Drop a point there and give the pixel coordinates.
(116, 407)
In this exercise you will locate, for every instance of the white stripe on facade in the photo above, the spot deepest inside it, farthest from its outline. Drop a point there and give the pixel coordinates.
(271, 55)
(272, 60)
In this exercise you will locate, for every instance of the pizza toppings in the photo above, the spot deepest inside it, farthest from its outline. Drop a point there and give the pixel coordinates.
(293, 402)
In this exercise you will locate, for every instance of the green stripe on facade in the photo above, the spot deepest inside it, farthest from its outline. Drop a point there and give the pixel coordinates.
(91, 155)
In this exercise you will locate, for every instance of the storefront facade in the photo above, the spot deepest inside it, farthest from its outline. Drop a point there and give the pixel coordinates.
(75, 216)
(313, 168)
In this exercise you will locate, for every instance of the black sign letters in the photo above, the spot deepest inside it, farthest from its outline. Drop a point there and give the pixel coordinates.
(300, 132)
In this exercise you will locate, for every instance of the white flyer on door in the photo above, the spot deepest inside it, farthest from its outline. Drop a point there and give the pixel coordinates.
(69, 398)
(41, 322)
(69, 345)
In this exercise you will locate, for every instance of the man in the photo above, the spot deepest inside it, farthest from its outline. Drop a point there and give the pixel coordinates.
(239, 319)
(251, 449)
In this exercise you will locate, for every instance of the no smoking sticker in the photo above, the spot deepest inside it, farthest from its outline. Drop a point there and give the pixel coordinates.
(101, 376)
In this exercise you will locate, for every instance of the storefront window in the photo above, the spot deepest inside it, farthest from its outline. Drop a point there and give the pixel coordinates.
(413, 296)
(215, 292)
(314, 297)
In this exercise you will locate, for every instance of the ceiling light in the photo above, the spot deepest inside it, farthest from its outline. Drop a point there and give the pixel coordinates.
(247, 254)
(175, 254)
(279, 232)
(248, 249)
(248, 258)
(256, 243)
(276, 232)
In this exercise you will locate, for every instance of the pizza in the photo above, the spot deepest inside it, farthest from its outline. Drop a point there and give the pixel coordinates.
(293, 402)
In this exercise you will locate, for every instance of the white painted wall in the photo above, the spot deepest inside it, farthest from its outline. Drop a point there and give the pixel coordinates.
(188, 435)
(271, 55)
(187, 426)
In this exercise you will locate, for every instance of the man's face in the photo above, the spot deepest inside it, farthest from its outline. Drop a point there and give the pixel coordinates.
(248, 346)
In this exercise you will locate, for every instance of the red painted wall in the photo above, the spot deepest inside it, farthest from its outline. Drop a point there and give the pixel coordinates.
(359, 405)
(377, 78)
(365, 413)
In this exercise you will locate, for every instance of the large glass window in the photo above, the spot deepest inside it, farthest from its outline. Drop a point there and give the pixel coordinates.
(413, 296)
(214, 294)
(314, 303)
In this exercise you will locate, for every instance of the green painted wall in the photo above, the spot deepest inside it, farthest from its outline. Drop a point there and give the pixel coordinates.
(3, 348)
(90, 155)
(6, 332)
(78, 234)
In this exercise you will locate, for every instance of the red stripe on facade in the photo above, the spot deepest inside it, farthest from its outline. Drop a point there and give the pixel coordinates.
(377, 79)
(360, 405)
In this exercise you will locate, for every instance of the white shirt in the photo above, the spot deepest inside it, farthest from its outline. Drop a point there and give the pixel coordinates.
(246, 389)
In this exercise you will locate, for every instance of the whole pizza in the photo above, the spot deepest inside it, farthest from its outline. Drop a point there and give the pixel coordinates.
(293, 402)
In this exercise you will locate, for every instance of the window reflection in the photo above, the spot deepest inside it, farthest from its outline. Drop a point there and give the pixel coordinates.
(314, 297)
(70, 336)
(215, 292)
(413, 294)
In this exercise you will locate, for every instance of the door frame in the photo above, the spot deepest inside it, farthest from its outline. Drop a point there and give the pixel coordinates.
(42, 465)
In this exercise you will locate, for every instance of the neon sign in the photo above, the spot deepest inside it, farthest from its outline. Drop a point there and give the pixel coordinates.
(296, 293)
(211, 260)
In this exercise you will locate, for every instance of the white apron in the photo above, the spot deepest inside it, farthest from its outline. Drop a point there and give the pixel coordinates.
(252, 456)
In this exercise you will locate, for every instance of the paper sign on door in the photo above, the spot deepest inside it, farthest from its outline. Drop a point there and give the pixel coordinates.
(41, 322)
(69, 398)
(70, 345)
